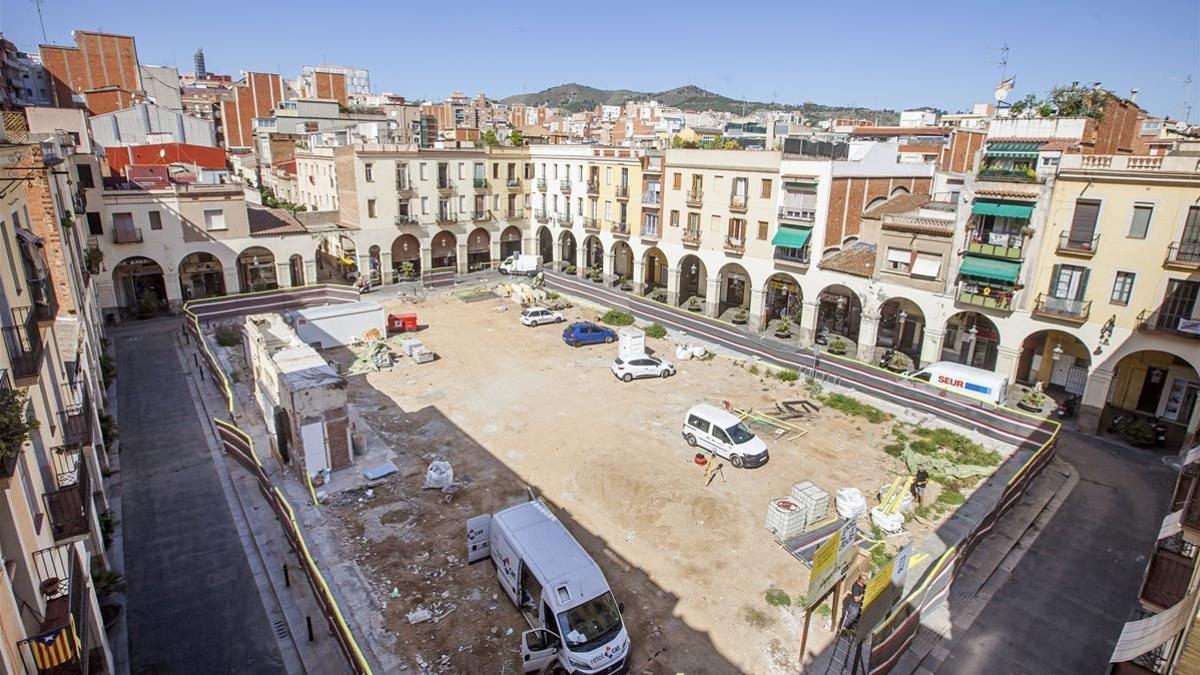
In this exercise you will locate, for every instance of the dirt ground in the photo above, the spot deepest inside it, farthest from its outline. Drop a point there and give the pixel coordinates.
(511, 407)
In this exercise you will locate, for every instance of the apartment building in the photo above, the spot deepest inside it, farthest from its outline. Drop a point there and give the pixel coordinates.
(256, 95)
(100, 72)
(559, 199)
(23, 80)
(316, 179)
(51, 537)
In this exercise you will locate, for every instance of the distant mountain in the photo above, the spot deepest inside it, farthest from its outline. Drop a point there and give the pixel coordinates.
(578, 97)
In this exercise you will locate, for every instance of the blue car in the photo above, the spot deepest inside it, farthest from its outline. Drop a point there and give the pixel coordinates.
(587, 333)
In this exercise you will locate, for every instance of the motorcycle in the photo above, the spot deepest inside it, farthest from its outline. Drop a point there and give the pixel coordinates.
(887, 357)
(1160, 433)
(822, 336)
(1067, 407)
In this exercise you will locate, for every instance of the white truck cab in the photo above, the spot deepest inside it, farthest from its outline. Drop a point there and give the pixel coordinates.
(557, 586)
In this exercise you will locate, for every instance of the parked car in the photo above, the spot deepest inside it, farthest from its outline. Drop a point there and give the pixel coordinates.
(643, 365)
(536, 316)
(587, 333)
(725, 435)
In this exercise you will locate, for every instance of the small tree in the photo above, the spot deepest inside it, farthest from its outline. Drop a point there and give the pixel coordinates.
(15, 425)
(516, 138)
(490, 139)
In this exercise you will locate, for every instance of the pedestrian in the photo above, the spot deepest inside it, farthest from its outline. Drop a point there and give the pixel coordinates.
(918, 486)
(854, 601)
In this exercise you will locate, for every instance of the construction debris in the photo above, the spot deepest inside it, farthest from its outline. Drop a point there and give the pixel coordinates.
(439, 475)
(788, 431)
(851, 503)
(419, 615)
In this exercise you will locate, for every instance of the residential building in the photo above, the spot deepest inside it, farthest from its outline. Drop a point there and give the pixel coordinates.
(100, 72)
(355, 81)
(161, 86)
(256, 95)
(316, 179)
(148, 122)
(23, 80)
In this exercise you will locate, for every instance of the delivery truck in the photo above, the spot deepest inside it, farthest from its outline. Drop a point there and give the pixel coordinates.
(521, 263)
(965, 380)
(560, 590)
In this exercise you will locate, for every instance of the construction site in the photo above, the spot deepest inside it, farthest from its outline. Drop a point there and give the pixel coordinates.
(469, 411)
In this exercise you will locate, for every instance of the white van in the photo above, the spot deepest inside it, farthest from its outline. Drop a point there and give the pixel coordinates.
(521, 263)
(557, 586)
(967, 380)
(714, 429)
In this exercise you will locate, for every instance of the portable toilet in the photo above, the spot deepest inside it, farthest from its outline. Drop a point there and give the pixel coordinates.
(632, 343)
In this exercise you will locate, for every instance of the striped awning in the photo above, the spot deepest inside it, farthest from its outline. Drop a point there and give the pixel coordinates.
(987, 208)
(990, 269)
(791, 237)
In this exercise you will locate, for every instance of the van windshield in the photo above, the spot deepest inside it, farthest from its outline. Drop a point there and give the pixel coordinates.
(739, 433)
(591, 624)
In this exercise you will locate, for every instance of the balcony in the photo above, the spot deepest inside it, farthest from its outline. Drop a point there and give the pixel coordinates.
(447, 218)
(445, 188)
(593, 187)
(591, 224)
(1169, 322)
(541, 184)
(1009, 175)
(513, 214)
(790, 214)
(45, 302)
(987, 297)
(1075, 245)
(652, 199)
(513, 184)
(404, 188)
(23, 342)
(563, 219)
(76, 423)
(691, 237)
(622, 192)
(791, 256)
(405, 219)
(694, 198)
(541, 216)
(127, 235)
(1168, 576)
(69, 507)
(737, 203)
(1183, 255)
(619, 229)
(480, 183)
(66, 622)
(1007, 246)
(564, 186)
(734, 244)
(1065, 309)
(481, 216)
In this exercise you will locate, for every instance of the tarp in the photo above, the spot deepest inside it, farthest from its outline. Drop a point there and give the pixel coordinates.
(791, 237)
(990, 269)
(942, 467)
(985, 208)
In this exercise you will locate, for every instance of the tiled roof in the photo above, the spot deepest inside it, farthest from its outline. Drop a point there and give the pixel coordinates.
(858, 260)
(1006, 194)
(265, 222)
(901, 131)
(918, 225)
(898, 204)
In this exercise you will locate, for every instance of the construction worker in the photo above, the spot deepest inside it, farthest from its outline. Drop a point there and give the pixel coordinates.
(854, 602)
(918, 486)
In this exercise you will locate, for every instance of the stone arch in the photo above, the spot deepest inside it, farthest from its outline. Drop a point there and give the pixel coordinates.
(734, 290)
(139, 286)
(256, 270)
(654, 269)
(783, 304)
(406, 258)
(693, 279)
(375, 264)
(839, 313)
(479, 249)
(545, 245)
(1151, 383)
(972, 339)
(444, 251)
(201, 275)
(1056, 358)
(622, 254)
(567, 248)
(593, 252)
(510, 241)
(296, 269)
(901, 327)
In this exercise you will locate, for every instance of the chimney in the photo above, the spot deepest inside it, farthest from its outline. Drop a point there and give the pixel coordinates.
(1133, 95)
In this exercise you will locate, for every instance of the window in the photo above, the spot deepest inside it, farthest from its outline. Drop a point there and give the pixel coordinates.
(462, 170)
(155, 220)
(693, 222)
(674, 218)
(651, 223)
(928, 265)
(737, 230)
(899, 259)
(1069, 282)
(1083, 222)
(424, 205)
(1140, 224)
(555, 166)
(608, 175)
(94, 223)
(698, 423)
(370, 208)
(421, 170)
(607, 210)
(85, 176)
(762, 230)
(766, 188)
(677, 181)
(1122, 288)
(1049, 161)
(369, 171)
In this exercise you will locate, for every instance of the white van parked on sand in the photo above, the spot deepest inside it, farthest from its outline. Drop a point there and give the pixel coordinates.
(967, 380)
(711, 428)
(557, 586)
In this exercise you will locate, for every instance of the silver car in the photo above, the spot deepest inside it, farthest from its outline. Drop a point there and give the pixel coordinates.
(641, 366)
(536, 316)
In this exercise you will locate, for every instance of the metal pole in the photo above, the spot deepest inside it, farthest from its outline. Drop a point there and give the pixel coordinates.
(287, 578)
(196, 360)
(308, 622)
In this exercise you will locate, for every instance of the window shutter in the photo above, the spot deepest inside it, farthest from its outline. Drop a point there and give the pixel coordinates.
(1054, 280)
(1083, 282)
(1083, 224)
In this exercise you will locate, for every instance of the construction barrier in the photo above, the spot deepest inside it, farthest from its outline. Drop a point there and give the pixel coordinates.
(240, 446)
(1035, 436)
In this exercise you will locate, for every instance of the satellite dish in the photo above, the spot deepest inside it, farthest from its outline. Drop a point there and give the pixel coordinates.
(162, 153)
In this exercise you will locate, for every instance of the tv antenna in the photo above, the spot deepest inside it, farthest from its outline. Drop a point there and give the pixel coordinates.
(41, 20)
(1187, 96)
(1004, 61)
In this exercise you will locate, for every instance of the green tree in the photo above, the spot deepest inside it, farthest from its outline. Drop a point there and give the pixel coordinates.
(679, 142)
(15, 425)
(516, 137)
(490, 139)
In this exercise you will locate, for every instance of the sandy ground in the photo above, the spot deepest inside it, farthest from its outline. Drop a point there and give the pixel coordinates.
(512, 407)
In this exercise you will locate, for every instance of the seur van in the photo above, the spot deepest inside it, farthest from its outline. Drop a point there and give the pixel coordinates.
(967, 380)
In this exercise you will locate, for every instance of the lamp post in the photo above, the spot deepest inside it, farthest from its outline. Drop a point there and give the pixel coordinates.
(900, 319)
(972, 334)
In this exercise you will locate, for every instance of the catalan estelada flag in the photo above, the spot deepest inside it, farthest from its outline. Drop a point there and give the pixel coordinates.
(56, 647)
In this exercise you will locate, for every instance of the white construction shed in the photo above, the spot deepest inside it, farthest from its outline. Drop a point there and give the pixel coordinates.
(330, 326)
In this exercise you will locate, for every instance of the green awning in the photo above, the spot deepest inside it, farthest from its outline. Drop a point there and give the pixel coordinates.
(1013, 147)
(799, 185)
(985, 208)
(990, 269)
(791, 237)
(1007, 154)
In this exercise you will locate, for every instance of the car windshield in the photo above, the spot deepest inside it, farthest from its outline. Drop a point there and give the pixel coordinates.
(739, 433)
(591, 624)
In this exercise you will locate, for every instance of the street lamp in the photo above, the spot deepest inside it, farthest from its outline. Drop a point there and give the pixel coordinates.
(1057, 353)
(972, 334)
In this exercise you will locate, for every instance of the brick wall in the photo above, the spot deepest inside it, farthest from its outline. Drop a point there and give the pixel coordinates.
(330, 86)
(111, 99)
(347, 186)
(849, 197)
(43, 222)
(256, 96)
(97, 60)
(1115, 133)
(958, 155)
(337, 431)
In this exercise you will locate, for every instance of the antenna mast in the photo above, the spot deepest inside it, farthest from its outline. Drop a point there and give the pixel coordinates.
(41, 19)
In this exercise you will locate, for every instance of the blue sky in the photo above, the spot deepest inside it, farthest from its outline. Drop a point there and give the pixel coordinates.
(892, 56)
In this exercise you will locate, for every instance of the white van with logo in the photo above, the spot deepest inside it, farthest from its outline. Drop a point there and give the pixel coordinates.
(557, 586)
(714, 429)
(967, 380)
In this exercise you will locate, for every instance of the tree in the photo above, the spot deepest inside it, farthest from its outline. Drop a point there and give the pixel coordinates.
(680, 142)
(15, 425)
(516, 138)
(490, 139)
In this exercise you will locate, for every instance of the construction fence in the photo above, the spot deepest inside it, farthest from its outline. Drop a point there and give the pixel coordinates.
(239, 445)
(1034, 437)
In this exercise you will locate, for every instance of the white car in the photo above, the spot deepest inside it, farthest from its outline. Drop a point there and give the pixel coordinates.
(536, 316)
(642, 366)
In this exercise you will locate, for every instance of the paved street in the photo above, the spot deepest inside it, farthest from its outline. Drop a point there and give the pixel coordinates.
(192, 602)
(1066, 601)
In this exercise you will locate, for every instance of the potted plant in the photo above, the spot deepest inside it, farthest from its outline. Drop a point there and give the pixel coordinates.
(149, 305)
(740, 317)
(659, 295)
(407, 270)
(837, 346)
(1139, 433)
(899, 362)
(694, 304)
(570, 268)
(596, 275)
(92, 258)
(15, 427)
(625, 284)
(783, 328)
(1032, 401)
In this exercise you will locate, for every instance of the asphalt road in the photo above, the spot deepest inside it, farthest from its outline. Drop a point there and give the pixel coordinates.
(193, 606)
(1063, 607)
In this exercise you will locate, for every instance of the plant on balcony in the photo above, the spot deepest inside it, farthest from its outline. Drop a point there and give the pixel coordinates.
(92, 257)
(15, 425)
(783, 328)
(108, 429)
(68, 222)
(106, 581)
(740, 317)
(837, 346)
(108, 369)
(694, 304)
(1027, 231)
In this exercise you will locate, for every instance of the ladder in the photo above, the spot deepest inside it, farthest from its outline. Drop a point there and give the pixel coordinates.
(842, 660)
